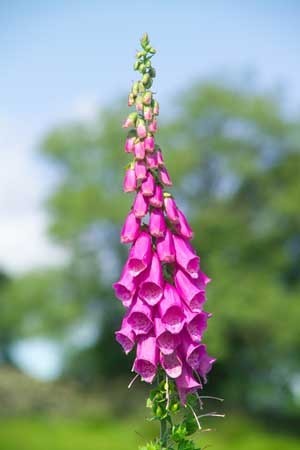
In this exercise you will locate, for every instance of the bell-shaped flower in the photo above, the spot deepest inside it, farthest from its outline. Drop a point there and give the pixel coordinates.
(148, 185)
(157, 199)
(141, 129)
(151, 159)
(183, 226)
(171, 310)
(153, 126)
(151, 288)
(160, 159)
(196, 324)
(130, 229)
(186, 383)
(147, 358)
(186, 257)
(166, 341)
(191, 294)
(129, 183)
(157, 224)
(139, 150)
(140, 254)
(172, 364)
(148, 113)
(125, 336)
(205, 365)
(165, 247)
(193, 352)
(140, 205)
(139, 317)
(140, 170)
(125, 287)
(171, 209)
(165, 177)
(149, 143)
(129, 144)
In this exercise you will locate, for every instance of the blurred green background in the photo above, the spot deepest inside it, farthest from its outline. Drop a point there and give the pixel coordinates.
(231, 142)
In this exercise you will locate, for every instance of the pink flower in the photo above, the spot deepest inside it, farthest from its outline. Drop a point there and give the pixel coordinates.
(130, 121)
(139, 103)
(153, 126)
(205, 365)
(166, 341)
(149, 143)
(157, 224)
(147, 358)
(140, 254)
(160, 159)
(130, 229)
(165, 248)
(193, 352)
(171, 209)
(172, 364)
(186, 384)
(139, 150)
(186, 257)
(147, 98)
(148, 185)
(125, 336)
(151, 289)
(148, 113)
(157, 199)
(196, 324)
(140, 170)
(165, 177)
(125, 287)
(191, 294)
(151, 159)
(156, 108)
(170, 310)
(140, 205)
(183, 226)
(141, 129)
(129, 183)
(129, 144)
(140, 317)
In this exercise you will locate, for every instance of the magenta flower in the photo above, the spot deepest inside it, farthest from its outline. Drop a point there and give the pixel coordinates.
(161, 286)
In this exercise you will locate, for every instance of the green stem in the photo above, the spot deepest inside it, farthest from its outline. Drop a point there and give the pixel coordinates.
(164, 432)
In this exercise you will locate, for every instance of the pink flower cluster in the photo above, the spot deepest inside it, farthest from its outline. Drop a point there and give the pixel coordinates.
(161, 285)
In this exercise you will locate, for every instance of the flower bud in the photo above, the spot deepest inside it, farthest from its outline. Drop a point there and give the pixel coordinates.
(141, 128)
(142, 68)
(140, 170)
(146, 78)
(149, 143)
(139, 150)
(141, 87)
(139, 103)
(130, 99)
(129, 144)
(130, 121)
(129, 183)
(156, 108)
(148, 113)
(136, 65)
(152, 72)
(135, 88)
(144, 40)
(147, 98)
(152, 50)
(153, 126)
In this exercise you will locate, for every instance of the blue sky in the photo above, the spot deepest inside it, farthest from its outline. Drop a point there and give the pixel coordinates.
(61, 60)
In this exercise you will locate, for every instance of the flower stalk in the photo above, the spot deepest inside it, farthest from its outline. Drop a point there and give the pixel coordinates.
(162, 286)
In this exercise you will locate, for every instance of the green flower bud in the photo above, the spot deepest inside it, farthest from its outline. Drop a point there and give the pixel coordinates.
(136, 65)
(141, 87)
(142, 67)
(144, 40)
(146, 79)
(149, 83)
(141, 54)
(152, 72)
(152, 50)
(148, 64)
(147, 98)
(158, 411)
(175, 407)
(135, 88)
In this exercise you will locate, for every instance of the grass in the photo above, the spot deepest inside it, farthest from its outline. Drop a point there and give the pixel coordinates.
(232, 433)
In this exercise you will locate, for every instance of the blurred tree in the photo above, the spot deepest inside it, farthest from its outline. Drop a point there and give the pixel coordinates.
(235, 157)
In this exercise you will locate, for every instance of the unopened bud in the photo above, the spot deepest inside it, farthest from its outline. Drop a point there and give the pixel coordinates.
(148, 113)
(131, 120)
(141, 128)
(155, 107)
(152, 72)
(135, 88)
(144, 40)
(148, 64)
(130, 99)
(142, 67)
(136, 65)
(139, 103)
(152, 50)
(141, 87)
(149, 84)
(147, 98)
(141, 54)
(145, 79)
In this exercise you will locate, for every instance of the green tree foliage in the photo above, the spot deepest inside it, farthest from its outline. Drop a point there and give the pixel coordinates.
(234, 156)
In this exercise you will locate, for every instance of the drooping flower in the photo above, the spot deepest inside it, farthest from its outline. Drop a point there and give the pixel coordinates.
(161, 286)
